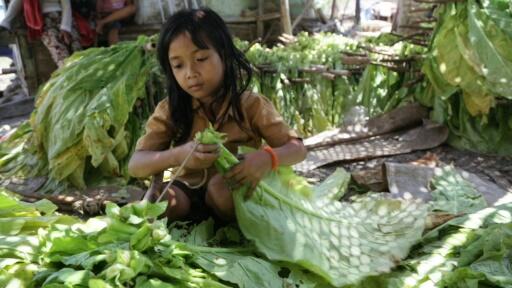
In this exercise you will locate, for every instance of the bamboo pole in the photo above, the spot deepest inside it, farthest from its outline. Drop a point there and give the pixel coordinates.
(259, 21)
(358, 12)
(285, 17)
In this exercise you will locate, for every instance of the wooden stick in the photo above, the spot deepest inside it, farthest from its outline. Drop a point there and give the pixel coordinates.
(259, 22)
(422, 21)
(350, 53)
(334, 9)
(416, 27)
(355, 60)
(419, 10)
(308, 5)
(438, 1)
(285, 17)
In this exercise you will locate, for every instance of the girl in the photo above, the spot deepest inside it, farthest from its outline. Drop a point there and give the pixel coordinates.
(207, 81)
(111, 13)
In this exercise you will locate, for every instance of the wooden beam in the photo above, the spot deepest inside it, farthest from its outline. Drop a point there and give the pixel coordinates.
(358, 12)
(334, 9)
(259, 21)
(251, 19)
(286, 23)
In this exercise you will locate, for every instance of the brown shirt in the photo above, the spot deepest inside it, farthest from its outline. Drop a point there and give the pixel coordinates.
(261, 121)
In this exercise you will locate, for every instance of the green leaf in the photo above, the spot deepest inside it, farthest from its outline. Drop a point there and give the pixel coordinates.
(68, 277)
(491, 46)
(453, 194)
(153, 283)
(244, 270)
(201, 234)
(342, 242)
(98, 283)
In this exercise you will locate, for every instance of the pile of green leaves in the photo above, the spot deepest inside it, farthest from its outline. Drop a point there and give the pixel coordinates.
(12, 158)
(83, 116)
(289, 234)
(87, 119)
(341, 242)
(469, 72)
(128, 247)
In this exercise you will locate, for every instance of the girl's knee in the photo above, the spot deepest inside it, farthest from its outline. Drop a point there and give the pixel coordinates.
(218, 196)
(178, 205)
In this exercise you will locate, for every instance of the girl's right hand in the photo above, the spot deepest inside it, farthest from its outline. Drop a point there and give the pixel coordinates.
(203, 157)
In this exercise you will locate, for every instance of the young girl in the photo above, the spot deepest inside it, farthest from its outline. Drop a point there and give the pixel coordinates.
(207, 82)
(110, 13)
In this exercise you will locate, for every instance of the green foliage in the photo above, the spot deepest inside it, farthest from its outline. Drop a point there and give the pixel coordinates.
(471, 251)
(87, 119)
(314, 102)
(469, 75)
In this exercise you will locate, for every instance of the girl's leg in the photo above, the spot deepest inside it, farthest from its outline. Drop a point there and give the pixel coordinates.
(179, 204)
(219, 198)
(113, 36)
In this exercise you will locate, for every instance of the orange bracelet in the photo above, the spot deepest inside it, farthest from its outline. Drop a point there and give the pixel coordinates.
(273, 156)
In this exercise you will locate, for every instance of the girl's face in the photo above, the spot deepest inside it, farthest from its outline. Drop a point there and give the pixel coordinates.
(199, 72)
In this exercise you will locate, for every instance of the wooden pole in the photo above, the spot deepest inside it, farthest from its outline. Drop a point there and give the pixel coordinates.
(286, 23)
(259, 21)
(358, 12)
(334, 9)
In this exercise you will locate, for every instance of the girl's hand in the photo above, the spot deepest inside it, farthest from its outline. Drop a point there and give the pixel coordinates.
(203, 156)
(250, 170)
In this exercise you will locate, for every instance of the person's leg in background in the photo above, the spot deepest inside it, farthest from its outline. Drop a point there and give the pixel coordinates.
(113, 32)
(15, 7)
(52, 40)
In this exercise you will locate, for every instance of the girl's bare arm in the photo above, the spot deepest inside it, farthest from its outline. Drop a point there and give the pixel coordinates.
(147, 163)
(291, 153)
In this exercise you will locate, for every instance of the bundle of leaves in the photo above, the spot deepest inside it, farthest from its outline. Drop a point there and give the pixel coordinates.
(469, 73)
(311, 102)
(128, 247)
(87, 118)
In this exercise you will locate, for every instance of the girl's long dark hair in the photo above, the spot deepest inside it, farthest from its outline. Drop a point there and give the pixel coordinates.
(204, 26)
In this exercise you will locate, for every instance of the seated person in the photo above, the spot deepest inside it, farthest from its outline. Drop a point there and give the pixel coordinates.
(56, 29)
(110, 12)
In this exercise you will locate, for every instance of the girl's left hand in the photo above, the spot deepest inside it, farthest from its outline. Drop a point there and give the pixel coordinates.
(250, 170)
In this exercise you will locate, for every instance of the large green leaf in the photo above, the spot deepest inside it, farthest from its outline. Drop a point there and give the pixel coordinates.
(457, 61)
(454, 194)
(342, 242)
(492, 47)
(243, 269)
